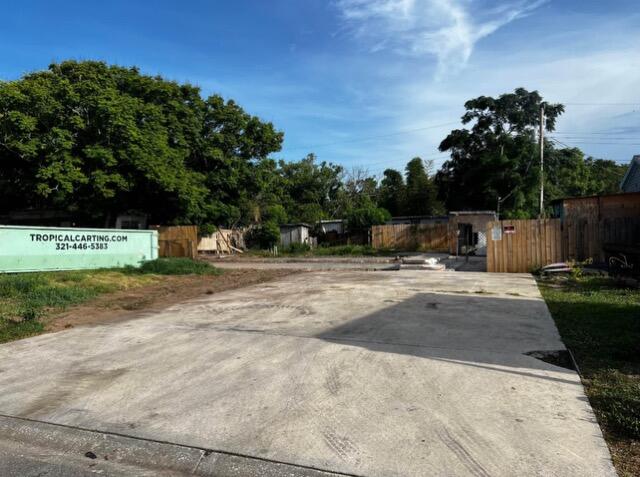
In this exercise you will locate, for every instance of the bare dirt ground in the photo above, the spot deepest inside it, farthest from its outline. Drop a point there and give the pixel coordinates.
(127, 304)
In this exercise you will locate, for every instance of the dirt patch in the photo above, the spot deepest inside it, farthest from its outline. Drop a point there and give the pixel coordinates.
(167, 291)
(625, 454)
(561, 358)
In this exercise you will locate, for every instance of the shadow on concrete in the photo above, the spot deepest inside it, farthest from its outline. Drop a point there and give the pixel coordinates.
(488, 332)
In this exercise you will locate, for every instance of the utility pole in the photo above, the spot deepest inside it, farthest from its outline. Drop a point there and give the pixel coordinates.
(542, 160)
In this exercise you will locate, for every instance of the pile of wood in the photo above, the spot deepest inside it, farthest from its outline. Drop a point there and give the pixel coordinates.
(223, 241)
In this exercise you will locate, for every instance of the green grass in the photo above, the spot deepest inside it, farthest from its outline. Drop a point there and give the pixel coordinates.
(26, 298)
(599, 321)
(346, 250)
(301, 250)
(177, 266)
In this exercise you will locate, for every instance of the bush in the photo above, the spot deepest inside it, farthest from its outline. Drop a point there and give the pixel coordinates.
(204, 230)
(176, 266)
(266, 235)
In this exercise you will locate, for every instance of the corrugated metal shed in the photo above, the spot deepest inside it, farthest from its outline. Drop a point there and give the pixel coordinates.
(294, 233)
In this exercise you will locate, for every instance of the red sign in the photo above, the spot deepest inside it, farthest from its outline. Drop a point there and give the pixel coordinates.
(509, 229)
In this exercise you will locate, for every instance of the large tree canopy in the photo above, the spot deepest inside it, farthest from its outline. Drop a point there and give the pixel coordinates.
(494, 163)
(97, 140)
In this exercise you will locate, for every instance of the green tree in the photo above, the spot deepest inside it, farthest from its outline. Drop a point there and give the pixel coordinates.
(267, 234)
(309, 189)
(570, 174)
(97, 140)
(495, 158)
(421, 192)
(393, 192)
(604, 176)
(366, 215)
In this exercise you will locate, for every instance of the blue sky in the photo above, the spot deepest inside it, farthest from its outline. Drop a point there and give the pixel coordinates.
(366, 83)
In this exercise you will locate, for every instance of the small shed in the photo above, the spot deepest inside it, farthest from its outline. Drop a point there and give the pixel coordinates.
(295, 234)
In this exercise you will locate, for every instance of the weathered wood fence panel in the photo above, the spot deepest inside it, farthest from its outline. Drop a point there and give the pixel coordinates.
(594, 239)
(178, 241)
(423, 237)
(519, 246)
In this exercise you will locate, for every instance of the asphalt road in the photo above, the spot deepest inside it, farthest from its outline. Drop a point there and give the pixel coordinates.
(389, 373)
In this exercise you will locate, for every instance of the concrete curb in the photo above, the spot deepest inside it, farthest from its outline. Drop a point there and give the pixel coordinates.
(82, 450)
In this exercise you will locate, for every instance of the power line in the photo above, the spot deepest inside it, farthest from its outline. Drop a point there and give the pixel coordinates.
(601, 104)
(369, 138)
(588, 133)
(619, 161)
(594, 137)
(578, 141)
(442, 156)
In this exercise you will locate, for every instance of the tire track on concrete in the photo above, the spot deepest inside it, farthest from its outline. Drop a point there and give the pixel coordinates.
(462, 453)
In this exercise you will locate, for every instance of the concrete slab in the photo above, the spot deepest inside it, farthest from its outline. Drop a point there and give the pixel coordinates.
(33, 448)
(363, 373)
(463, 264)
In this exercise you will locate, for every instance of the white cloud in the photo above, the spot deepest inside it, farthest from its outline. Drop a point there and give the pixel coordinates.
(445, 29)
(598, 87)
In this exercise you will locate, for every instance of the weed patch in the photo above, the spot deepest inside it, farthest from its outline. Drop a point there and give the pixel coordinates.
(176, 266)
(27, 298)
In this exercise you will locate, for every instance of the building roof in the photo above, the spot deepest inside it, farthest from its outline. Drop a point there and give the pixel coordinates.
(331, 221)
(631, 180)
(299, 224)
(472, 212)
(616, 194)
(414, 217)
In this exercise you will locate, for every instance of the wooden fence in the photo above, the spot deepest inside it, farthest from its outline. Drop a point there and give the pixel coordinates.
(423, 237)
(596, 239)
(178, 241)
(516, 246)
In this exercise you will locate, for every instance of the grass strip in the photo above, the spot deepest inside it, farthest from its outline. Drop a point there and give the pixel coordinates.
(27, 298)
(599, 320)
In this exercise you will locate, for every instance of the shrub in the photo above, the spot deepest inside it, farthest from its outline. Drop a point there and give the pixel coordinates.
(267, 235)
(364, 217)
